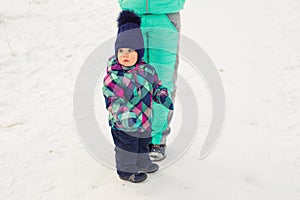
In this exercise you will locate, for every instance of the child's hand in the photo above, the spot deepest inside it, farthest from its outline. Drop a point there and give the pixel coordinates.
(165, 100)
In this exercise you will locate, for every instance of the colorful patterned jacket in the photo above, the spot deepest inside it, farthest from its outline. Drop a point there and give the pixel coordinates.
(129, 93)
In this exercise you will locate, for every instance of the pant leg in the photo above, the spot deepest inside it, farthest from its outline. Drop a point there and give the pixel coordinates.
(161, 43)
(126, 151)
(143, 159)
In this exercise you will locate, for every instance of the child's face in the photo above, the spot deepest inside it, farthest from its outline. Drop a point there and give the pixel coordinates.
(127, 57)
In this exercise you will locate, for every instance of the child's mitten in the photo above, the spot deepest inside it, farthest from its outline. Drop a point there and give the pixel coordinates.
(165, 100)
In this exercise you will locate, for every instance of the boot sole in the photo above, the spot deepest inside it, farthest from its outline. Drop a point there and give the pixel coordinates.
(133, 181)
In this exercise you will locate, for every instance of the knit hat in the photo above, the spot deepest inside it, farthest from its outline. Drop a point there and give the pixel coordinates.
(129, 33)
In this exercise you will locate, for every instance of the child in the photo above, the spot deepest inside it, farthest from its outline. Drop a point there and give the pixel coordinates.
(129, 87)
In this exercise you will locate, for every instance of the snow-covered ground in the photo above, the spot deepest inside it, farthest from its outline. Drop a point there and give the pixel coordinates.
(255, 46)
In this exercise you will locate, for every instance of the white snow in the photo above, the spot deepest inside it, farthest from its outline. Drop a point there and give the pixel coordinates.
(254, 44)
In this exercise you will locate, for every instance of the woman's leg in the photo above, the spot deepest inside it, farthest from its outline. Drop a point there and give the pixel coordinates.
(161, 34)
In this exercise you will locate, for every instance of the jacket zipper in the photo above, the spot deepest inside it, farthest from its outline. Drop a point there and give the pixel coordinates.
(147, 6)
(147, 47)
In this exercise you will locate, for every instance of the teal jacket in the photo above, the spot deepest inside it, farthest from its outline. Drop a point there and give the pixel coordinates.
(152, 6)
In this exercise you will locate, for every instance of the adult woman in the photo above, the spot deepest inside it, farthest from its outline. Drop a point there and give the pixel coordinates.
(160, 27)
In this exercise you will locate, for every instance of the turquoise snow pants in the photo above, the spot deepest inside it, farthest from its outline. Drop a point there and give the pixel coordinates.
(161, 36)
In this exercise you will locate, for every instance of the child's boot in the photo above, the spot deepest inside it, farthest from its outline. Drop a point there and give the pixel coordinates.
(150, 168)
(135, 178)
